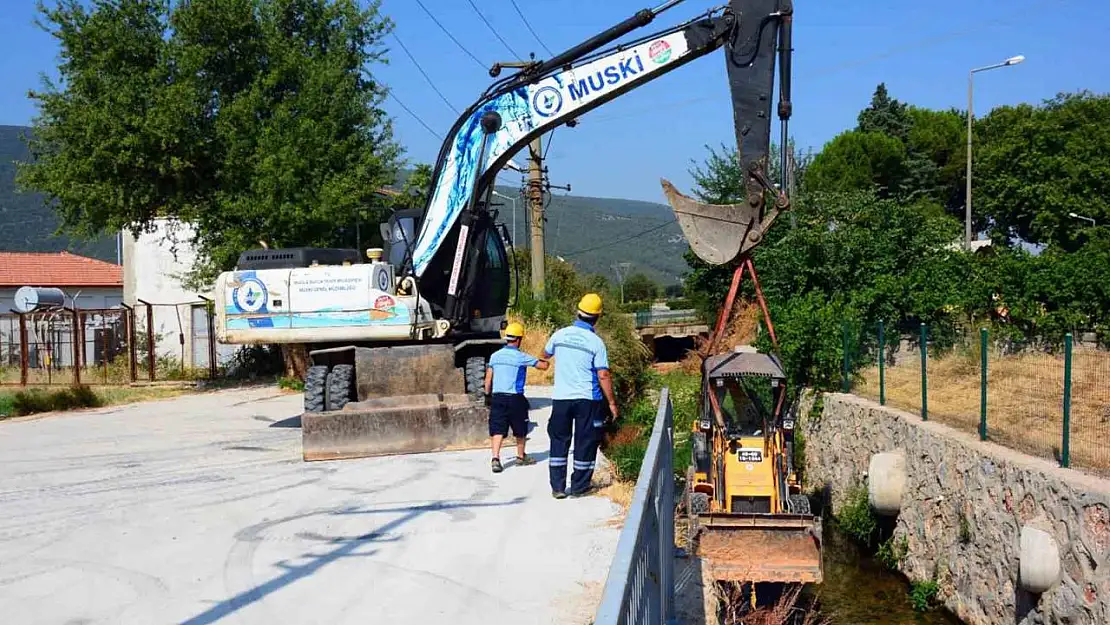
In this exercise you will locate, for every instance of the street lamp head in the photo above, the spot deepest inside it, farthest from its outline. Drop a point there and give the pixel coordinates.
(1073, 215)
(1014, 60)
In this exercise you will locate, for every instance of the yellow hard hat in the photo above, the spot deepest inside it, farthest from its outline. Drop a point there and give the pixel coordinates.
(590, 304)
(514, 330)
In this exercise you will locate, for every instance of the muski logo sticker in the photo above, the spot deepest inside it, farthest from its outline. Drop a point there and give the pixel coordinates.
(660, 52)
(547, 101)
(251, 296)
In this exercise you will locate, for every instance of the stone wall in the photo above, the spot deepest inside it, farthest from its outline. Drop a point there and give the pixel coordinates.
(963, 507)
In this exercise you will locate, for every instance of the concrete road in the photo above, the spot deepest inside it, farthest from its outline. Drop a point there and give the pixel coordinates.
(199, 510)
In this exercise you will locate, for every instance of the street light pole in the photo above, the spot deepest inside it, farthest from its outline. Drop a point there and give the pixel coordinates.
(1014, 60)
(1084, 218)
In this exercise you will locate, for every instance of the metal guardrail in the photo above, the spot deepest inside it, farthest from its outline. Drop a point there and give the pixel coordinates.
(640, 587)
(663, 317)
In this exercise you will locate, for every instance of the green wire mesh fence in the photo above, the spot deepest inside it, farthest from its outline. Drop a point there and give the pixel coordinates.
(1051, 401)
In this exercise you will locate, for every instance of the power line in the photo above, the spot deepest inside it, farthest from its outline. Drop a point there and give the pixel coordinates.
(494, 30)
(415, 116)
(529, 27)
(612, 243)
(452, 37)
(425, 74)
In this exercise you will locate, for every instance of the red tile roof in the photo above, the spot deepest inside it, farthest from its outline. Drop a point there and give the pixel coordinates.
(58, 269)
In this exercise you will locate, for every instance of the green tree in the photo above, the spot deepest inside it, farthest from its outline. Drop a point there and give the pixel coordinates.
(640, 288)
(856, 160)
(885, 115)
(252, 120)
(1036, 164)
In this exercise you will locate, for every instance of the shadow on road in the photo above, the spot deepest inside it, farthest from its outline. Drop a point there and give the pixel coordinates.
(291, 422)
(345, 546)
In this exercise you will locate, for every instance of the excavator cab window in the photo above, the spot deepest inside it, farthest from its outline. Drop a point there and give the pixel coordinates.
(742, 415)
(491, 296)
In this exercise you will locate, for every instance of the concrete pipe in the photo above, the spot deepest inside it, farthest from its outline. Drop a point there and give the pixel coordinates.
(886, 481)
(1040, 560)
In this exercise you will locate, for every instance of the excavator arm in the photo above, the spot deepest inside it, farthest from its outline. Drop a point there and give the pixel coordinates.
(445, 257)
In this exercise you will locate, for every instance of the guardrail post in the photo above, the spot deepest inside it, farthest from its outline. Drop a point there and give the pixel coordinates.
(924, 373)
(1065, 447)
(982, 384)
(882, 364)
(844, 387)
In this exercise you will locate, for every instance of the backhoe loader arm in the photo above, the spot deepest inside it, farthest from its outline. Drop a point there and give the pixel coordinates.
(545, 95)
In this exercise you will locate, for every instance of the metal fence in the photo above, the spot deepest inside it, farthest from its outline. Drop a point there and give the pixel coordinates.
(640, 586)
(1047, 400)
(111, 346)
(645, 318)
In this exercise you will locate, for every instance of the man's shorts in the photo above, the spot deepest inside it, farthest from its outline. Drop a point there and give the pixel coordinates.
(508, 412)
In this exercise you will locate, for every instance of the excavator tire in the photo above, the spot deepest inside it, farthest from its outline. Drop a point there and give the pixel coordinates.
(475, 375)
(315, 386)
(699, 503)
(341, 386)
(799, 504)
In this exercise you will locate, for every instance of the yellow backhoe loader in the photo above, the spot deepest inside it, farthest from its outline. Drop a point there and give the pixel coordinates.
(749, 520)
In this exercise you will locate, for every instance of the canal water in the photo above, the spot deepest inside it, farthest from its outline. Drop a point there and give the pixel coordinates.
(858, 590)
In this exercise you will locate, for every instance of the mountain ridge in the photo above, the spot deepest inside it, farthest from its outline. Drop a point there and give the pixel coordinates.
(593, 233)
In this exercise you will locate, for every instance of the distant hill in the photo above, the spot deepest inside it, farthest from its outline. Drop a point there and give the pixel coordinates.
(26, 223)
(593, 233)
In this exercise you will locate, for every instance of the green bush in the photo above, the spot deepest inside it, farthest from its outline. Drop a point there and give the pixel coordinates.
(892, 552)
(6, 408)
(627, 458)
(37, 400)
(290, 383)
(857, 519)
(923, 595)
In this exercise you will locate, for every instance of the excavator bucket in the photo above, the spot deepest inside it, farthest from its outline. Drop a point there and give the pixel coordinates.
(721, 233)
(758, 548)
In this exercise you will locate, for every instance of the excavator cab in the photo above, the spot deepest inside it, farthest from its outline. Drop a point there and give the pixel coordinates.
(749, 519)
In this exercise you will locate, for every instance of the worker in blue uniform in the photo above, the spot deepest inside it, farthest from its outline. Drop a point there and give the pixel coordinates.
(582, 383)
(504, 384)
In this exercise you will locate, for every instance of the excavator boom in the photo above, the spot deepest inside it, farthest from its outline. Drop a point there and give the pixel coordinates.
(545, 95)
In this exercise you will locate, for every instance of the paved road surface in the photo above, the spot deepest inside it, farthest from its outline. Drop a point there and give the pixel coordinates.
(199, 510)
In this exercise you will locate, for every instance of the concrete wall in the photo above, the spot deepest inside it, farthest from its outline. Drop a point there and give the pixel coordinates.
(963, 508)
(154, 266)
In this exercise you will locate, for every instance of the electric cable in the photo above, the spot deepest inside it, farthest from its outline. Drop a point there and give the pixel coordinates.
(415, 116)
(530, 29)
(494, 30)
(622, 240)
(452, 37)
(423, 73)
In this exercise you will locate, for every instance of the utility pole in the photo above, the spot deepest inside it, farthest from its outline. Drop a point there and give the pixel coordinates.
(617, 267)
(535, 197)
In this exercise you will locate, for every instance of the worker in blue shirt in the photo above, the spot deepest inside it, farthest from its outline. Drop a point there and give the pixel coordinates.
(505, 376)
(582, 383)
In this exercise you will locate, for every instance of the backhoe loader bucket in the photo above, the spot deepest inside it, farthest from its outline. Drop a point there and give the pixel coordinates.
(758, 548)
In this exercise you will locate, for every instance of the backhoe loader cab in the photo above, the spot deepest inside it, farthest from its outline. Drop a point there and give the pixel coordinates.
(750, 520)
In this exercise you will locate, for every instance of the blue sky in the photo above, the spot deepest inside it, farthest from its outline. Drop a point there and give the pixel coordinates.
(843, 48)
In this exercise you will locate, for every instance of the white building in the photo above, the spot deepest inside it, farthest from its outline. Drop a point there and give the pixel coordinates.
(154, 266)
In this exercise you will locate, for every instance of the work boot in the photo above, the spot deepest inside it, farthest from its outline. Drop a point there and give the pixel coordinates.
(496, 463)
(559, 494)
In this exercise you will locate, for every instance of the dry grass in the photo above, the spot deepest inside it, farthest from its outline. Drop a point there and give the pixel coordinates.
(535, 339)
(737, 610)
(1025, 394)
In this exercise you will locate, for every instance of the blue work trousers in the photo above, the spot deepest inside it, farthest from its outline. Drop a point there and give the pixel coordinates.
(585, 417)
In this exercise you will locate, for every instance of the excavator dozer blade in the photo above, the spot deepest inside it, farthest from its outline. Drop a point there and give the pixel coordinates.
(761, 548)
(717, 233)
(386, 426)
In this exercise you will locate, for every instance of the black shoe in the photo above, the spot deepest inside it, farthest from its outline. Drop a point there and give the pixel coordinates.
(559, 494)
(496, 463)
(581, 493)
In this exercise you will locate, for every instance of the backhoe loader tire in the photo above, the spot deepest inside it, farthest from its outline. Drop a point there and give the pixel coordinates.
(699, 503)
(315, 385)
(799, 504)
(341, 386)
(476, 376)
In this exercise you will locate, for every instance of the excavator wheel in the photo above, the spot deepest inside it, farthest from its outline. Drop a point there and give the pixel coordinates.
(341, 386)
(315, 387)
(475, 375)
(799, 504)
